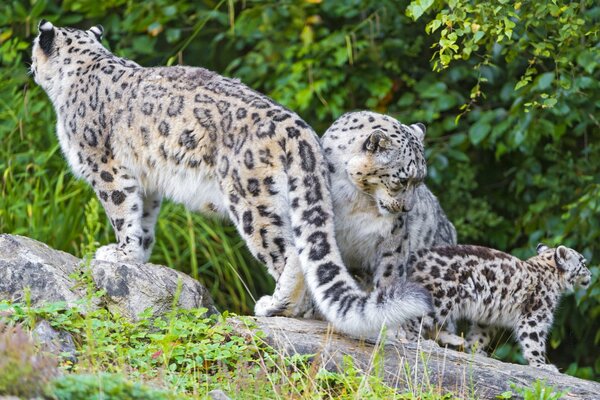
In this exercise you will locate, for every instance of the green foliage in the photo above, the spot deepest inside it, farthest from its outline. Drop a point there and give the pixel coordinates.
(183, 355)
(104, 387)
(509, 92)
(539, 391)
(24, 371)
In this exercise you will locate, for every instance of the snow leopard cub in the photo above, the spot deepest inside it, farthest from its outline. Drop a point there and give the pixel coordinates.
(377, 169)
(139, 134)
(491, 288)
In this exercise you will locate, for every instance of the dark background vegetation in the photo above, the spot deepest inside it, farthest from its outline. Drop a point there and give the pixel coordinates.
(509, 92)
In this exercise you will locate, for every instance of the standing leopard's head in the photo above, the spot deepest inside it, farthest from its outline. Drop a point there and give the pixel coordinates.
(382, 157)
(570, 263)
(59, 52)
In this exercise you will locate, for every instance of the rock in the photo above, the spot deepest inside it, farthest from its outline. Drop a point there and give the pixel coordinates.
(46, 272)
(401, 365)
(51, 275)
(132, 288)
(218, 395)
(55, 342)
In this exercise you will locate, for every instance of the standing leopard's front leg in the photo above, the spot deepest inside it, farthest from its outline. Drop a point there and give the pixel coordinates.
(123, 201)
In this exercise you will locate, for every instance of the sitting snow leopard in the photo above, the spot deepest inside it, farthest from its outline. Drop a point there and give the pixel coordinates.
(139, 134)
(489, 287)
(377, 169)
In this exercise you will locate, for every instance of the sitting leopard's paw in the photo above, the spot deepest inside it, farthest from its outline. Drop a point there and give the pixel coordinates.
(266, 306)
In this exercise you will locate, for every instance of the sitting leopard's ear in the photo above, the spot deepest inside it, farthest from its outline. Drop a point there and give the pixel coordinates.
(419, 130)
(46, 36)
(376, 141)
(98, 31)
(541, 247)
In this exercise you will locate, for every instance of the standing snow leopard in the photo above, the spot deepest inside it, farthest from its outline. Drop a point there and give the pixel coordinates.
(139, 134)
(377, 169)
(491, 288)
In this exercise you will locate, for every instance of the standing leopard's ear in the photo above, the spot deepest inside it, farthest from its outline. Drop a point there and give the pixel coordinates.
(541, 247)
(376, 141)
(419, 130)
(46, 36)
(98, 31)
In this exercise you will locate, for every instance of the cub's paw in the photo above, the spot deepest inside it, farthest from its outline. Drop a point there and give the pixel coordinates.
(266, 306)
(450, 339)
(547, 367)
(113, 253)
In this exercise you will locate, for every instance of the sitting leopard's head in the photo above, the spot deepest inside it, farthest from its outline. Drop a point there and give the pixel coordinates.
(382, 157)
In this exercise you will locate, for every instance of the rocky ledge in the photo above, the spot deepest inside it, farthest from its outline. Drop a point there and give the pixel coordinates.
(53, 276)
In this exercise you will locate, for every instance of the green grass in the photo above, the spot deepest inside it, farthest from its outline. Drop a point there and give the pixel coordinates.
(187, 354)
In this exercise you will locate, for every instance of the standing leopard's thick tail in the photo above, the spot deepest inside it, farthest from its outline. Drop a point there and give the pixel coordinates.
(337, 295)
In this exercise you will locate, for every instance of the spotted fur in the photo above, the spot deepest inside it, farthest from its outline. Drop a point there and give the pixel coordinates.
(139, 134)
(491, 288)
(382, 208)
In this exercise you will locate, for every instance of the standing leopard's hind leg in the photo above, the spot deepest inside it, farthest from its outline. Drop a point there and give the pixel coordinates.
(151, 209)
(258, 207)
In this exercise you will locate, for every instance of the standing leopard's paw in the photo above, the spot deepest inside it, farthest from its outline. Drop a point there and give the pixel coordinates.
(266, 306)
(115, 254)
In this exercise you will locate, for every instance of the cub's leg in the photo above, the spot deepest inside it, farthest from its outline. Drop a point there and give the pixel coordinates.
(259, 208)
(120, 195)
(479, 338)
(531, 334)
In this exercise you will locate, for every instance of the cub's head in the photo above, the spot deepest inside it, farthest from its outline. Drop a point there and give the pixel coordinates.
(570, 263)
(57, 51)
(381, 157)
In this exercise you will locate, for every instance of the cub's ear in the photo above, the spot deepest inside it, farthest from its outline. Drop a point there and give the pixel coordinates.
(560, 257)
(376, 141)
(541, 247)
(98, 31)
(419, 130)
(46, 36)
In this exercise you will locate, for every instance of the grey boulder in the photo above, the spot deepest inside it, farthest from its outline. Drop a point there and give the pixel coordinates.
(52, 276)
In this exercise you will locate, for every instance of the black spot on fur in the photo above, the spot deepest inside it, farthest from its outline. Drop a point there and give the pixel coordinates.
(249, 159)
(164, 128)
(106, 176)
(319, 246)
(253, 186)
(118, 197)
(188, 140)
(119, 223)
(326, 272)
(315, 216)
(247, 221)
(335, 291)
(313, 189)
(307, 157)
(175, 106)
(292, 132)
